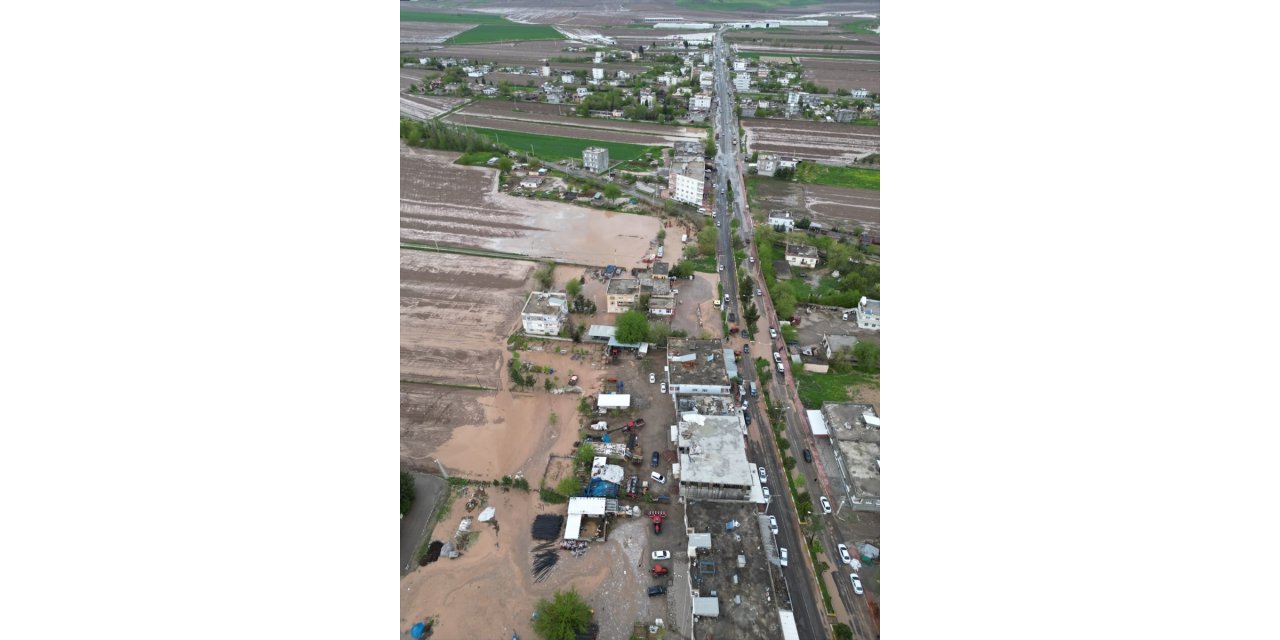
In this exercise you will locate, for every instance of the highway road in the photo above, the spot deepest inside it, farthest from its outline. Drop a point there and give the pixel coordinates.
(811, 621)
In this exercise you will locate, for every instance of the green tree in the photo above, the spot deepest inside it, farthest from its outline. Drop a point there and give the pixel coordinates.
(633, 327)
(612, 191)
(842, 631)
(505, 164)
(662, 235)
(803, 223)
(785, 303)
(407, 492)
(659, 332)
(562, 617)
(569, 487)
(707, 241)
(682, 270)
(574, 288)
(784, 173)
(710, 147)
(751, 314)
(868, 355)
(545, 275)
(584, 455)
(843, 359)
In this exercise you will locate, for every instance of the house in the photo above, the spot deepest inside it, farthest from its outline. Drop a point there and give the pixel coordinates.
(767, 165)
(802, 255)
(597, 73)
(845, 115)
(532, 182)
(555, 94)
(706, 79)
(742, 82)
(623, 75)
(697, 367)
(762, 71)
(583, 92)
(646, 97)
(832, 344)
(700, 102)
(544, 313)
(662, 301)
(568, 78)
(868, 313)
(489, 91)
(622, 294)
(595, 159)
(782, 220)
(859, 94)
(763, 104)
(739, 65)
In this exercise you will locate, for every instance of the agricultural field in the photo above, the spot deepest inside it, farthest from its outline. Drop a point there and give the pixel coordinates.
(459, 206)
(849, 177)
(426, 107)
(842, 74)
(506, 33)
(561, 115)
(825, 142)
(452, 18)
(835, 207)
(429, 32)
(559, 142)
(515, 53)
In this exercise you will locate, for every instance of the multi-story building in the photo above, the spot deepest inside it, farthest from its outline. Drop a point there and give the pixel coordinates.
(544, 313)
(595, 159)
(802, 255)
(868, 313)
(767, 165)
(781, 220)
(622, 294)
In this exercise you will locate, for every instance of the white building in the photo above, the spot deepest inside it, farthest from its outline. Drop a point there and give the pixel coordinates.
(687, 186)
(739, 65)
(595, 159)
(742, 82)
(623, 75)
(859, 93)
(802, 255)
(567, 78)
(544, 313)
(868, 313)
(781, 219)
(597, 73)
(767, 165)
(706, 79)
(700, 102)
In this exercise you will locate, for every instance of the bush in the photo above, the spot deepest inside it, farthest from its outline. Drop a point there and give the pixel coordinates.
(551, 497)
(407, 492)
(521, 484)
(569, 486)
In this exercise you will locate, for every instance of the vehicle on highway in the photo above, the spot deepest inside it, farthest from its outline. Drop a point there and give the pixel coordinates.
(657, 591)
(720, 267)
(763, 477)
(773, 333)
(808, 457)
(857, 584)
(773, 525)
(782, 553)
(661, 555)
(826, 505)
(653, 460)
(652, 378)
(658, 477)
(844, 554)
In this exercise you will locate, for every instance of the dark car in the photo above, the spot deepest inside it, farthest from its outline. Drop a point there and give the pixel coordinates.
(657, 591)
(808, 457)
(653, 461)
(746, 417)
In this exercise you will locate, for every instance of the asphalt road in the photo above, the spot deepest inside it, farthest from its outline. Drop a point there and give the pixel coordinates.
(811, 622)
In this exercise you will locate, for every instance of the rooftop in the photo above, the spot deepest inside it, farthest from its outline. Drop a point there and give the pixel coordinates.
(623, 286)
(779, 214)
(545, 303)
(846, 422)
(601, 331)
(688, 148)
(871, 307)
(839, 342)
(748, 606)
(661, 268)
(689, 168)
(707, 405)
(802, 251)
(660, 288)
(862, 462)
(716, 452)
(696, 362)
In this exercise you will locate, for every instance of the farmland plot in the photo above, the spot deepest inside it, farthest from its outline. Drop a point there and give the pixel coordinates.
(554, 114)
(426, 107)
(517, 122)
(825, 142)
(429, 32)
(843, 74)
(831, 206)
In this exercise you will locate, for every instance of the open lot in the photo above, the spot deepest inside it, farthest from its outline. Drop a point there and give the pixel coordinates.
(459, 206)
(842, 74)
(424, 107)
(576, 136)
(836, 207)
(825, 142)
(525, 53)
(508, 112)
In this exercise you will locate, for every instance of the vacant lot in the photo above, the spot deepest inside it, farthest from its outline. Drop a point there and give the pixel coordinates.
(558, 142)
(523, 53)
(561, 115)
(426, 107)
(825, 142)
(842, 74)
(429, 32)
(851, 177)
(458, 206)
(835, 207)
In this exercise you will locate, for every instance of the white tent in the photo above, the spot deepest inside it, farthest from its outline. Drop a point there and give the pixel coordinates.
(614, 401)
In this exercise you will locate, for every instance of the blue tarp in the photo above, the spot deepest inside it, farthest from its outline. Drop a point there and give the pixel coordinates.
(600, 488)
(418, 630)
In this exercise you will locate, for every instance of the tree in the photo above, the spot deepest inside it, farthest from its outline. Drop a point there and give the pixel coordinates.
(633, 327)
(569, 487)
(842, 631)
(784, 173)
(868, 355)
(584, 455)
(707, 240)
(803, 223)
(751, 314)
(505, 164)
(682, 270)
(407, 492)
(574, 288)
(710, 149)
(659, 332)
(785, 303)
(843, 359)
(612, 191)
(562, 617)
(662, 235)
(545, 275)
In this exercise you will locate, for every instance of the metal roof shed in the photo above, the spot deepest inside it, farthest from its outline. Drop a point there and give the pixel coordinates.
(614, 401)
(817, 423)
(706, 607)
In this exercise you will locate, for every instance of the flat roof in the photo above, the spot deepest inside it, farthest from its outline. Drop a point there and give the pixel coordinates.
(573, 526)
(817, 423)
(587, 506)
(661, 268)
(622, 286)
(602, 331)
(802, 250)
(614, 400)
(706, 607)
(717, 454)
(746, 590)
(730, 366)
(660, 288)
(696, 362)
(545, 303)
(862, 463)
(846, 421)
(872, 307)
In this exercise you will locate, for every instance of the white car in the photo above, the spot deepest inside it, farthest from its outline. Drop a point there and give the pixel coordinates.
(857, 584)
(826, 504)
(661, 479)
(766, 491)
(660, 555)
(662, 387)
(773, 333)
(652, 378)
(773, 525)
(844, 554)
(782, 552)
(752, 259)
(762, 475)
(758, 292)
(777, 357)
(746, 406)
(721, 267)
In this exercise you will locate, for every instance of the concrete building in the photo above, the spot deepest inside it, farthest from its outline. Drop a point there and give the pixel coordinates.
(660, 271)
(767, 165)
(700, 102)
(597, 73)
(855, 432)
(687, 173)
(595, 159)
(781, 219)
(742, 82)
(831, 344)
(544, 313)
(739, 65)
(868, 313)
(706, 79)
(531, 182)
(568, 78)
(696, 367)
(622, 294)
(845, 115)
(802, 255)
(858, 94)
(713, 458)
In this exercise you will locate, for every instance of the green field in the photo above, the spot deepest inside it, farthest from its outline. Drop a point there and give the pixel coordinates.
(505, 33)
(742, 5)
(850, 177)
(863, 25)
(452, 18)
(817, 388)
(558, 148)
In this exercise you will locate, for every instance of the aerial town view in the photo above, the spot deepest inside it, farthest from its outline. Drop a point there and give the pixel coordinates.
(640, 319)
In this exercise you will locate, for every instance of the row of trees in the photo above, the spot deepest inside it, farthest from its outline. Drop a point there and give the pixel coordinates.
(434, 134)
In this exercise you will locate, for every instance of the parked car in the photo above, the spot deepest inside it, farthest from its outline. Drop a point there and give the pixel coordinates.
(661, 555)
(763, 476)
(652, 378)
(662, 387)
(808, 457)
(782, 552)
(844, 554)
(773, 525)
(766, 491)
(773, 333)
(857, 584)
(653, 460)
(657, 591)
(759, 292)
(746, 417)
(658, 477)
(720, 266)
(826, 504)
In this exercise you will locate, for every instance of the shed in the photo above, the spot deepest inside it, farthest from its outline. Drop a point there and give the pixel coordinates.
(871, 420)
(698, 541)
(614, 401)
(706, 607)
(817, 423)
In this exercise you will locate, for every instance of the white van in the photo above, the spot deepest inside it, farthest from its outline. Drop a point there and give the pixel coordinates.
(657, 477)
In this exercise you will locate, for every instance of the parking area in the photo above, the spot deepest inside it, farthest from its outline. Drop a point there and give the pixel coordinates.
(694, 311)
(816, 323)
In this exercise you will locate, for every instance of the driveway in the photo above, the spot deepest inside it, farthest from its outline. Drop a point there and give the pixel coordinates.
(430, 490)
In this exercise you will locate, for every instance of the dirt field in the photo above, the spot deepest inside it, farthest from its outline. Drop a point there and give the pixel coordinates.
(831, 206)
(518, 122)
(843, 74)
(429, 32)
(424, 107)
(508, 113)
(825, 142)
(526, 53)
(460, 206)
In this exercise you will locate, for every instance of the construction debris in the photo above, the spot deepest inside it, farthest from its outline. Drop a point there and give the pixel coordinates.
(545, 557)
